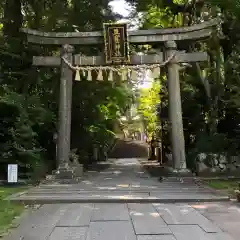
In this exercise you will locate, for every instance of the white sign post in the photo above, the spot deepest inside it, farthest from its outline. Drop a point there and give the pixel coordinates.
(12, 173)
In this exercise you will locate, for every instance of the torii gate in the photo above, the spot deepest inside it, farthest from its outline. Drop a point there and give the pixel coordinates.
(168, 37)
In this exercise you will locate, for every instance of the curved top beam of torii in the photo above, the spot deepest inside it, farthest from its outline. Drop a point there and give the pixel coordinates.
(195, 32)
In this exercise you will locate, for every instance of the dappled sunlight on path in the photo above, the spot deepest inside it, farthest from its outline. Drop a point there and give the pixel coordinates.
(124, 180)
(121, 200)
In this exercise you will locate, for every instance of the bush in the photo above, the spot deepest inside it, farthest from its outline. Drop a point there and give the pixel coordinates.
(19, 143)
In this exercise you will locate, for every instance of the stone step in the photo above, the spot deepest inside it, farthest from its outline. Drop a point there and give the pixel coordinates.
(80, 191)
(129, 149)
(134, 198)
(57, 182)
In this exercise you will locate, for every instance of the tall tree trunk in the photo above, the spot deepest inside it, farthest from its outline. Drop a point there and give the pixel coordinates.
(15, 66)
(13, 18)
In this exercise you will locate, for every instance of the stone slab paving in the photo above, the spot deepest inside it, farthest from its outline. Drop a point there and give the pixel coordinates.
(146, 220)
(225, 215)
(190, 232)
(40, 224)
(76, 216)
(185, 215)
(68, 233)
(124, 179)
(114, 230)
(156, 237)
(107, 212)
(132, 221)
(87, 210)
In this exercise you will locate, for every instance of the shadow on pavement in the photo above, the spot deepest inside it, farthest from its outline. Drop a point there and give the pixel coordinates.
(153, 168)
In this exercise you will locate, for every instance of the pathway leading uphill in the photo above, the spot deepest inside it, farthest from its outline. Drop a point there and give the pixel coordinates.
(129, 149)
(124, 202)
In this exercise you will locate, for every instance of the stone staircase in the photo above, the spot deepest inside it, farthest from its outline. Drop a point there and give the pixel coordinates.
(129, 149)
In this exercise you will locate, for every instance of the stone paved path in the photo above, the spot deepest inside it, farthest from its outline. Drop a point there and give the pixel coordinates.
(225, 215)
(123, 181)
(129, 149)
(121, 221)
(127, 221)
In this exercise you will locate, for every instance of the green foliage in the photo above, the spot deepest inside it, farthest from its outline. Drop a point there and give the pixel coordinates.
(9, 211)
(19, 142)
(210, 98)
(30, 97)
(231, 186)
(149, 99)
(95, 111)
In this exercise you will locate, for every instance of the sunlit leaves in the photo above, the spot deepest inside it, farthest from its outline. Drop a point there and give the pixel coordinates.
(149, 99)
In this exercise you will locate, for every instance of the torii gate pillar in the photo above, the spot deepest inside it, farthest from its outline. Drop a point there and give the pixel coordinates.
(65, 109)
(175, 111)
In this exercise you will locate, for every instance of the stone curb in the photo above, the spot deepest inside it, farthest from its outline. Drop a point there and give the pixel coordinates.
(15, 195)
(219, 178)
(20, 183)
(118, 200)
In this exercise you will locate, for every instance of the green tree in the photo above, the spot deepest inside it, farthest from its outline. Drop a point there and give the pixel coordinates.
(148, 101)
(210, 91)
(29, 96)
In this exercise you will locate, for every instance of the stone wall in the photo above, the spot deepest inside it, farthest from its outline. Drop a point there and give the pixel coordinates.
(217, 163)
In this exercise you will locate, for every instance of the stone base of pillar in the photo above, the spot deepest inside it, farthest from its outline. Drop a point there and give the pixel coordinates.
(68, 172)
(63, 174)
(78, 170)
(182, 172)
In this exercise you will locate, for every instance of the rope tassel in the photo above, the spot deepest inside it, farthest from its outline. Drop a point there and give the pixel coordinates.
(83, 73)
(124, 74)
(156, 72)
(100, 75)
(89, 76)
(77, 76)
(110, 76)
(134, 75)
(155, 69)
